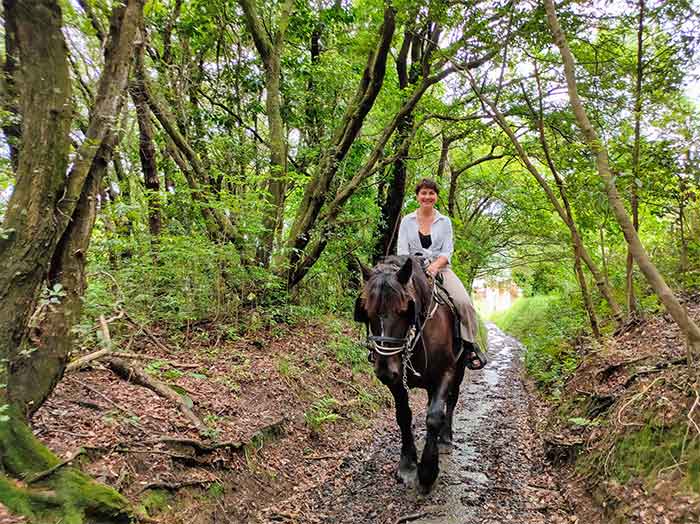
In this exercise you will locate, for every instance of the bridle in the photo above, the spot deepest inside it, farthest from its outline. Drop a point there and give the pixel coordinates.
(390, 346)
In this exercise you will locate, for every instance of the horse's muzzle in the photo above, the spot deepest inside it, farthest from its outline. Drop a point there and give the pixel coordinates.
(387, 372)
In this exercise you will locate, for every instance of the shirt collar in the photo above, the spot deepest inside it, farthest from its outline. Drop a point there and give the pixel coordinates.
(438, 215)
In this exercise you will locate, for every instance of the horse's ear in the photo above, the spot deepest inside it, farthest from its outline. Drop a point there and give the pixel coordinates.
(360, 312)
(404, 274)
(366, 271)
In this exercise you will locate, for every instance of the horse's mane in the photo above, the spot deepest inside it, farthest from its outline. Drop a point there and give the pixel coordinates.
(384, 292)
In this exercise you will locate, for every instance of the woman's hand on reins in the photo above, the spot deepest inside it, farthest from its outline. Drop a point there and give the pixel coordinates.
(433, 269)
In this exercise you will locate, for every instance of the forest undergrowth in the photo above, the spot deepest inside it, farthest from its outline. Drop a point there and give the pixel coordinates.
(279, 407)
(623, 417)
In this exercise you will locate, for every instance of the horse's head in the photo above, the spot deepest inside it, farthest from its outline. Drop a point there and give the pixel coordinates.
(389, 304)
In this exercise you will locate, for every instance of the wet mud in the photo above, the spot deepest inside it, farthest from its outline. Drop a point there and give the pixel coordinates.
(493, 473)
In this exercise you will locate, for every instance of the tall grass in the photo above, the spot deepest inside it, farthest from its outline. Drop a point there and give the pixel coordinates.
(546, 325)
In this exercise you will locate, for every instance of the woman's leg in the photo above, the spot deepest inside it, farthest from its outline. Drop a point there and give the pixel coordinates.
(465, 309)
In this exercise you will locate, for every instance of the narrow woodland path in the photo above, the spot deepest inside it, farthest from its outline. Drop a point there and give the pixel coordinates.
(494, 474)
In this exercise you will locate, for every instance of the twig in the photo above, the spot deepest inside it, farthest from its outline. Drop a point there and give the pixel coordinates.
(71, 433)
(677, 465)
(112, 402)
(633, 399)
(107, 348)
(410, 517)
(148, 333)
(690, 413)
(139, 356)
(43, 474)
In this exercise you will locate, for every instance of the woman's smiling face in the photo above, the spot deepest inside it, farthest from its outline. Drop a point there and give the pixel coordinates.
(426, 197)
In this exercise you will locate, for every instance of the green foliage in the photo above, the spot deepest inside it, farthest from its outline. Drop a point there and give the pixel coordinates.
(154, 501)
(321, 412)
(215, 490)
(350, 352)
(545, 325)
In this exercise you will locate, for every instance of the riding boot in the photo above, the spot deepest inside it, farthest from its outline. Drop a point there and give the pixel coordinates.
(475, 359)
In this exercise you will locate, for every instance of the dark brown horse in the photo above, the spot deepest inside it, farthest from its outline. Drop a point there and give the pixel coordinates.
(411, 340)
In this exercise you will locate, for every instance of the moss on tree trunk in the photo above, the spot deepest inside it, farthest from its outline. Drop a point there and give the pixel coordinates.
(66, 494)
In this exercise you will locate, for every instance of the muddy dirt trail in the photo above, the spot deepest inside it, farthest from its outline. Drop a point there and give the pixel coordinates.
(494, 474)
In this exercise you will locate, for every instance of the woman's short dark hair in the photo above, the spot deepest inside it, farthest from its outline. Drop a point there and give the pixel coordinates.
(427, 183)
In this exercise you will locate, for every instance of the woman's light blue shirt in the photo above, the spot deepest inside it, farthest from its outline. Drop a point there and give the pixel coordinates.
(440, 236)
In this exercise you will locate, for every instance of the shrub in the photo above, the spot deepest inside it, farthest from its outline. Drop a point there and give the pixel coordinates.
(545, 325)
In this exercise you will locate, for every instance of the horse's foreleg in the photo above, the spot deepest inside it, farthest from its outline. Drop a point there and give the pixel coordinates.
(452, 398)
(428, 467)
(407, 464)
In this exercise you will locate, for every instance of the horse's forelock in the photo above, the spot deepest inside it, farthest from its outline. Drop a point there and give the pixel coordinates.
(383, 292)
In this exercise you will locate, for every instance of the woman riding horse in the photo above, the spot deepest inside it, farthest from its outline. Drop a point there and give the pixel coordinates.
(410, 332)
(428, 233)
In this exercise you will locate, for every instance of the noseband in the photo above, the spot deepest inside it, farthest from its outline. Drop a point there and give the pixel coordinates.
(389, 346)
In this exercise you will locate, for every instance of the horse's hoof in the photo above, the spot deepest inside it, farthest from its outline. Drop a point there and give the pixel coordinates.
(423, 489)
(445, 439)
(407, 475)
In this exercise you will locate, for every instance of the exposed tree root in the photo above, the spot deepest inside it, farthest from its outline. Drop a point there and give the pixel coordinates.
(266, 432)
(174, 486)
(43, 474)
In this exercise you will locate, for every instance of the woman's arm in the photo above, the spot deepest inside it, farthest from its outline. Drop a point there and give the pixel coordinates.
(443, 258)
(402, 243)
(437, 265)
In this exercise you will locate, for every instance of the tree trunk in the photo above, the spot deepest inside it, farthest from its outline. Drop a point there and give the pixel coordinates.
(218, 224)
(270, 51)
(646, 266)
(390, 212)
(634, 199)
(147, 148)
(443, 163)
(586, 295)
(12, 126)
(570, 224)
(577, 246)
(49, 219)
(409, 75)
(315, 193)
(604, 256)
(45, 90)
(682, 188)
(34, 376)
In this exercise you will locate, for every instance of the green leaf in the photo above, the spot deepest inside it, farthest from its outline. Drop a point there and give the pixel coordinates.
(580, 421)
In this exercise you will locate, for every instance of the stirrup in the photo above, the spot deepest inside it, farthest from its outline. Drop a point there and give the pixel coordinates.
(475, 359)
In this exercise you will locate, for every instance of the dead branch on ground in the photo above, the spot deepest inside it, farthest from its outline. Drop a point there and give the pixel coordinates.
(137, 376)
